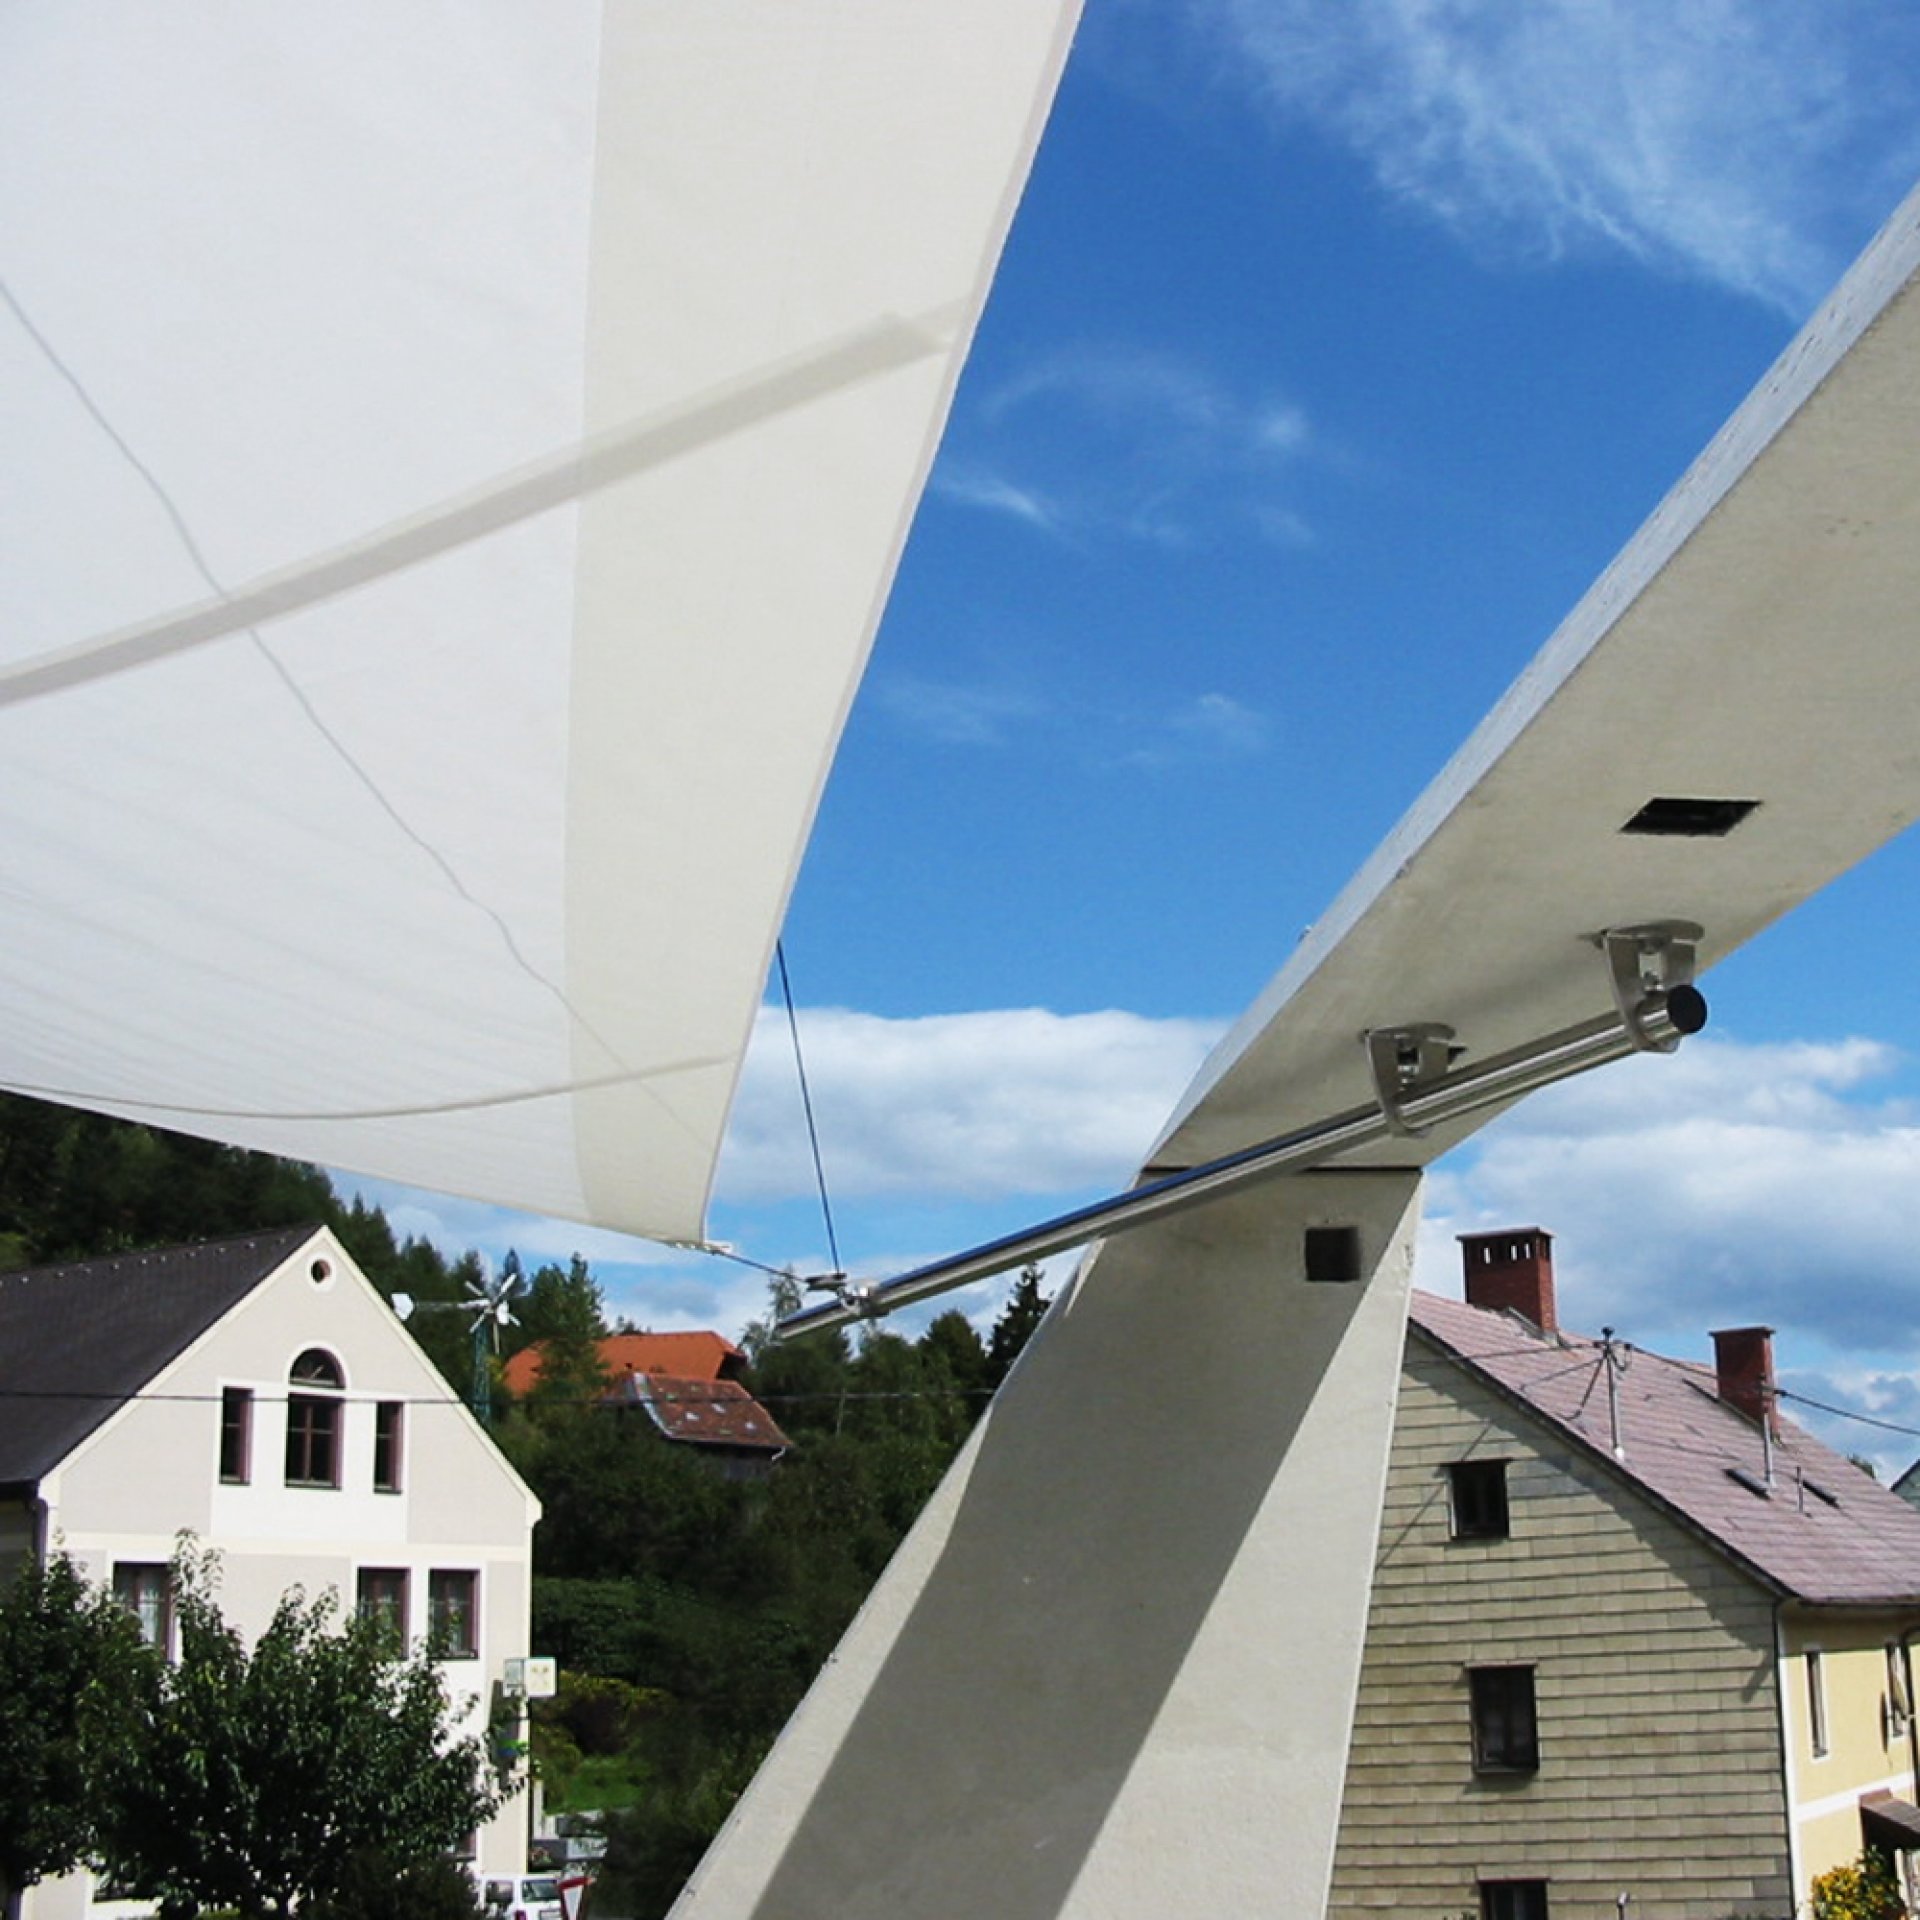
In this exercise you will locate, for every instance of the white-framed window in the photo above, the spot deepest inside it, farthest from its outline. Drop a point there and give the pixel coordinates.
(1817, 1703)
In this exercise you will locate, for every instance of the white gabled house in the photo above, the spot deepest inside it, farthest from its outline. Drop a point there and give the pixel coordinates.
(260, 1394)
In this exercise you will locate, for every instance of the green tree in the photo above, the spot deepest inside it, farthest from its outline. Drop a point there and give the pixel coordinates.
(564, 1313)
(70, 1658)
(958, 1370)
(374, 1888)
(1026, 1307)
(802, 1383)
(255, 1780)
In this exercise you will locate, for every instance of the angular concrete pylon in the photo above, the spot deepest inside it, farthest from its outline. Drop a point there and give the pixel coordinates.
(1111, 1672)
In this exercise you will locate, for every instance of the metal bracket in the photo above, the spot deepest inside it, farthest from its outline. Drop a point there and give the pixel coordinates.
(858, 1300)
(1646, 964)
(1400, 1059)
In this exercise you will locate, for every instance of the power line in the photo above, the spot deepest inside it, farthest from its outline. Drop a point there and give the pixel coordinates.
(1846, 1413)
(213, 1399)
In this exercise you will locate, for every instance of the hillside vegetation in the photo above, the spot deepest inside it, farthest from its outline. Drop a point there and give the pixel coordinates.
(688, 1610)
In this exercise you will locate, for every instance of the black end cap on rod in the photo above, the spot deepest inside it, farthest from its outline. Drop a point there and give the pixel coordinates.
(1687, 1008)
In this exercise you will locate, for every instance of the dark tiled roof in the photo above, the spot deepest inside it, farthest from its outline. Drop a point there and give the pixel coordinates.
(77, 1341)
(1826, 1533)
(715, 1413)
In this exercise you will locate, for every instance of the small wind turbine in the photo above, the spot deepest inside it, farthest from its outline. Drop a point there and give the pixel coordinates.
(489, 1302)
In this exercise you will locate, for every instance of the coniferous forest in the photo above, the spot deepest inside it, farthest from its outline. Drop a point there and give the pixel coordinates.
(688, 1611)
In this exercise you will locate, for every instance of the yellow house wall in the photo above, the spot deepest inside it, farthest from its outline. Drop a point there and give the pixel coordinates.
(1868, 1747)
(1660, 1759)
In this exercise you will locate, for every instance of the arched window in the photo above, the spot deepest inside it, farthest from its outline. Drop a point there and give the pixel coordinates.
(314, 1385)
(317, 1368)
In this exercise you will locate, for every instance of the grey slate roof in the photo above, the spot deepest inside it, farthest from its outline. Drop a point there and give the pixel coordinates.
(1826, 1533)
(77, 1341)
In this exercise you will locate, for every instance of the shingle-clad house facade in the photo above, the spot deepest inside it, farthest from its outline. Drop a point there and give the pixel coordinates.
(1631, 1633)
(259, 1394)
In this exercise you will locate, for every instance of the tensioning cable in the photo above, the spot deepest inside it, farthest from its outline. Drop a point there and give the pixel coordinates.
(806, 1104)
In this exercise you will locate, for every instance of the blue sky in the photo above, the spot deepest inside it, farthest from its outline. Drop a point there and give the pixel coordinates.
(1334, 352)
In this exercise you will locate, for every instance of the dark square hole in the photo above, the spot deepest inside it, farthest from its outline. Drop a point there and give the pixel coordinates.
(1333, 1255)
(1692, 818)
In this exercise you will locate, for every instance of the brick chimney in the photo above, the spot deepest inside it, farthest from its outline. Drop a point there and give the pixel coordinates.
(1512, 1269)
(1743, 1360)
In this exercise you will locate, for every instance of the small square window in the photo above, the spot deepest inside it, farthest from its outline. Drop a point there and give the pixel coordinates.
(236, 1435)
(1513, 1900)
(387, 1430)
(453, 1614)
(1478, 1499)
(1506, 1734)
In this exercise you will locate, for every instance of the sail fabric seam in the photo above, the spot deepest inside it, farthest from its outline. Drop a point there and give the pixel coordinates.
(197, 555)
(473, 1103)
(593, 465)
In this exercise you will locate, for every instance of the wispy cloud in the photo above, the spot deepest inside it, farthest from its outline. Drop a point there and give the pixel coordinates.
(1728, 139)
(1010, 1101)
(993, 493)
(1219, 722)
(1106, 439)
(1211, 727)
(955, 714)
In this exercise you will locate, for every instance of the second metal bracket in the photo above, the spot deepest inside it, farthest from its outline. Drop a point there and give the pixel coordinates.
(1645, 964)
(1400, 1059)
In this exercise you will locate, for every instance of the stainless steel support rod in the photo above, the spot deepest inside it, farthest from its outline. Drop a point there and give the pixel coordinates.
(1664, 1019)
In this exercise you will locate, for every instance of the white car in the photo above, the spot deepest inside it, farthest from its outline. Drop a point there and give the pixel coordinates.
(523, 1896)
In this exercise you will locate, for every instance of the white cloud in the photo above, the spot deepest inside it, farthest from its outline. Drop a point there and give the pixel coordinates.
(1726, 139)
(1729, 1185)
(971, 1104)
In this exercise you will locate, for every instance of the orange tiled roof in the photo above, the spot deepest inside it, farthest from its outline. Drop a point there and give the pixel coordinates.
(684, 1356)
(684, 1382)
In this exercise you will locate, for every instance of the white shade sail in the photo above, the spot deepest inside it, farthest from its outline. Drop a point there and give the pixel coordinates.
(455, 460)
